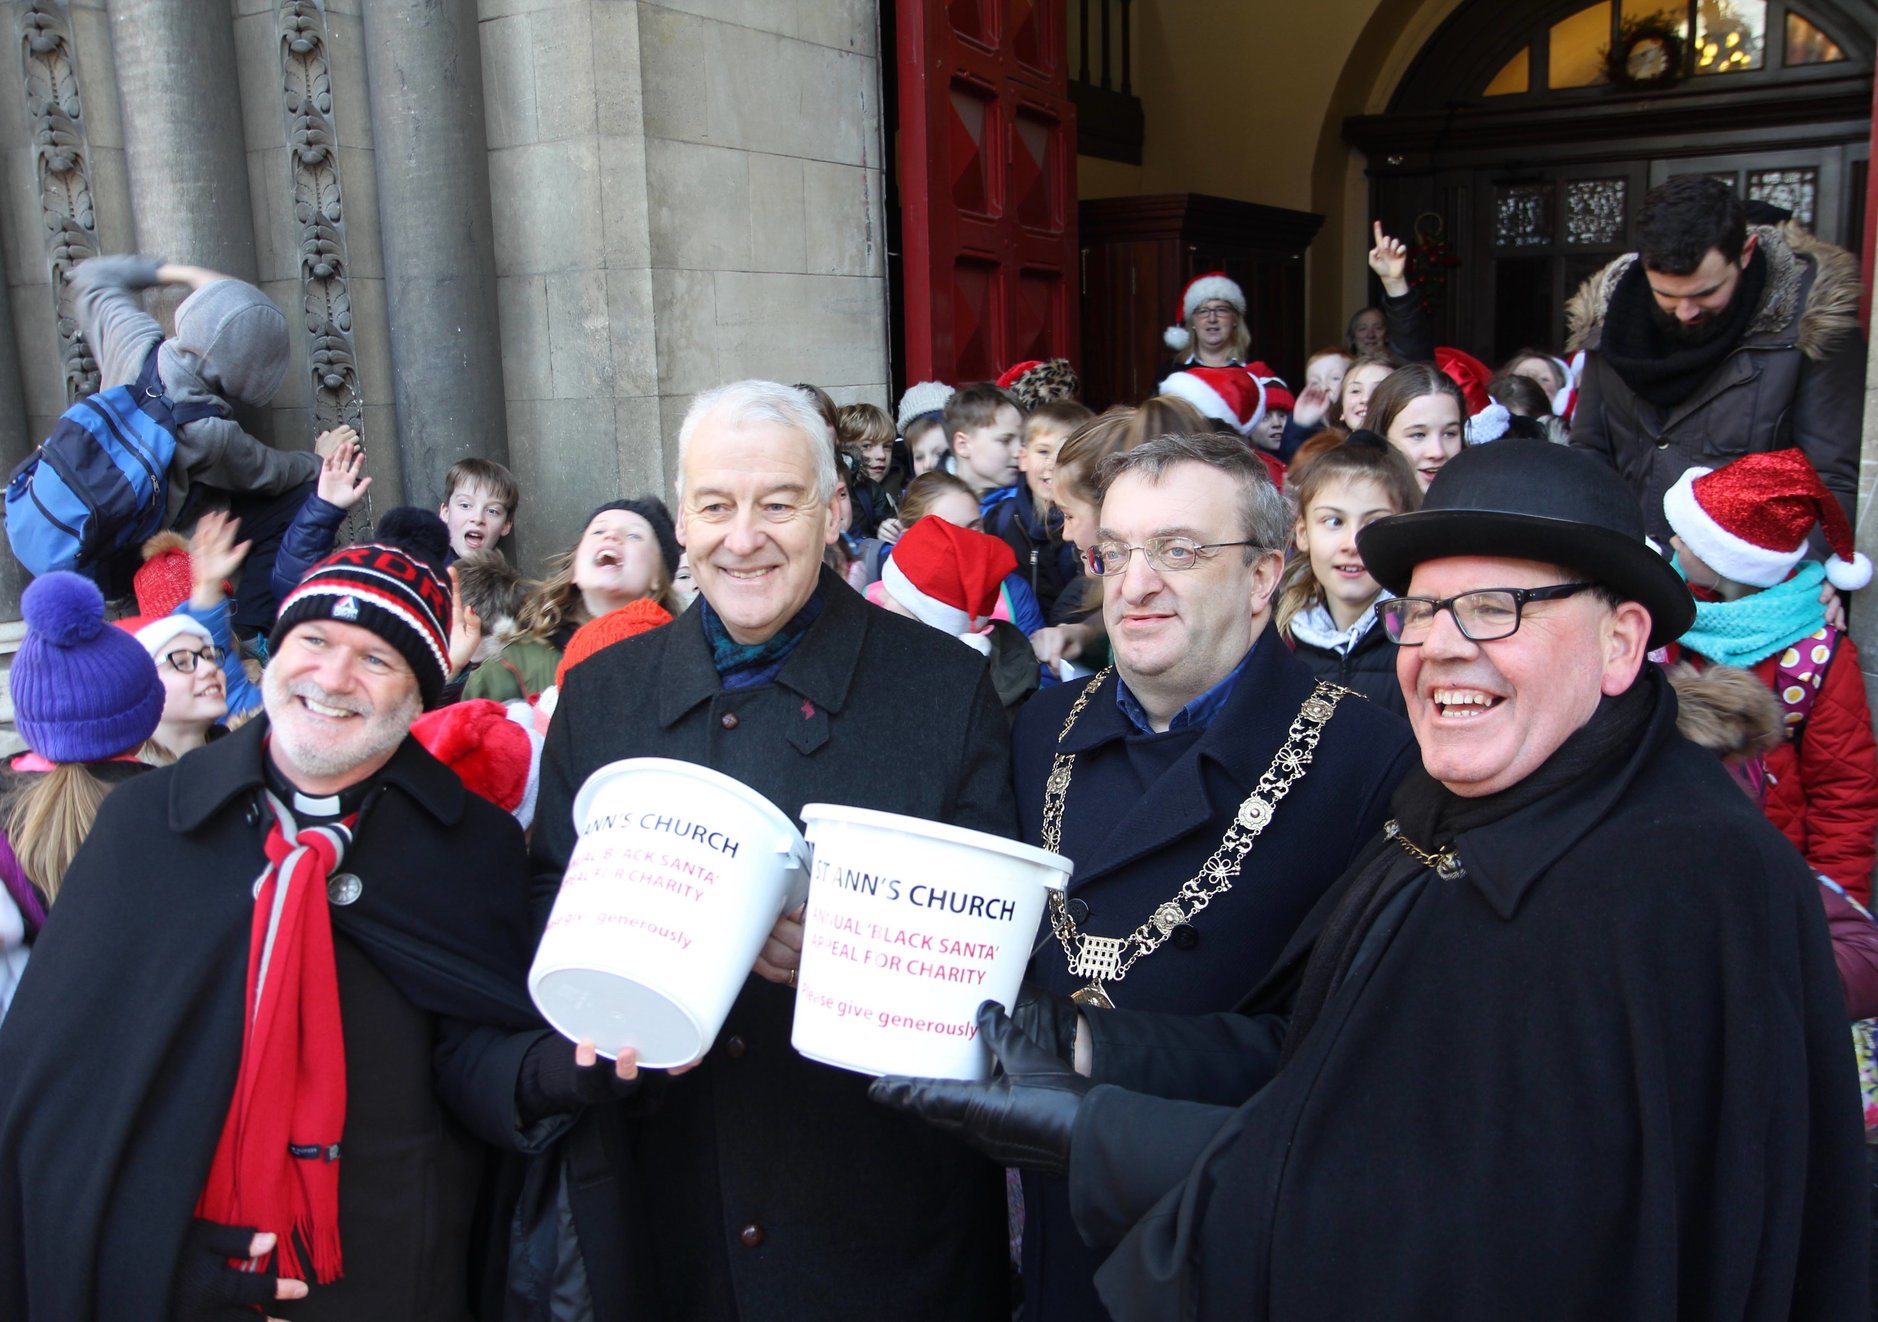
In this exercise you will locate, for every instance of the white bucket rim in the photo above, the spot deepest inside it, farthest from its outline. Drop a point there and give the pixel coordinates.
(941, 831)
(583, 799)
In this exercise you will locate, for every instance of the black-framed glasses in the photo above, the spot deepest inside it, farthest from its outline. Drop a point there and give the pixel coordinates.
(1482, 615)
(1218, 310)
(184, 662)
(1169, 554)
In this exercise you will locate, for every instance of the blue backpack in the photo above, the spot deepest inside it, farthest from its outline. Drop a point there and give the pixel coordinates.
(99, 484)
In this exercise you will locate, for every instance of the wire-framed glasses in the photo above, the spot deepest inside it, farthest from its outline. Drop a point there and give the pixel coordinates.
(1168, 554)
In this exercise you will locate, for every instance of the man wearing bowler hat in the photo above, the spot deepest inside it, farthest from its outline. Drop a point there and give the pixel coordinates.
(1566, 1041)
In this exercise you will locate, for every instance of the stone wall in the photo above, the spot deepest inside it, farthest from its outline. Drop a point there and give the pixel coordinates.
(528, 229)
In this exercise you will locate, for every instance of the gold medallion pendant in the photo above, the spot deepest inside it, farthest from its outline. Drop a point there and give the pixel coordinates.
(1092, 996)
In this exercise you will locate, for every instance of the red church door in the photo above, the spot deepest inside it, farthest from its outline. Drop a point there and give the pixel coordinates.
(987, 141)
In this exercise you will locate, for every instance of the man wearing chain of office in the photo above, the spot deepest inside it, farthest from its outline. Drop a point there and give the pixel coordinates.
(1207, 788)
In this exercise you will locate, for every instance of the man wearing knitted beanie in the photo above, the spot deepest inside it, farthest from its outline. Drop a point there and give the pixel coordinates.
(296, 963)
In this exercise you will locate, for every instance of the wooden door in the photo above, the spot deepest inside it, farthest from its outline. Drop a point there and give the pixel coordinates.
(987, 142)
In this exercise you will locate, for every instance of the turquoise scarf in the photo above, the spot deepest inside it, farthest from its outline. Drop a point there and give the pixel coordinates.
(1740, 633)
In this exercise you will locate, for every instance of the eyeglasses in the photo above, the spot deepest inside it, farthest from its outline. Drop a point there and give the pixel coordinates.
(184, 662)
(1169, 554)
(1482, 616)
(1226, 310)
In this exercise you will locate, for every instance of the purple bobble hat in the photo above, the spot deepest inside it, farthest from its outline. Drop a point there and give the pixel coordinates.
(82, 690)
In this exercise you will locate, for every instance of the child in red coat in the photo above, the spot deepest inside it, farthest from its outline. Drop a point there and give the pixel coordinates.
(1741, 541)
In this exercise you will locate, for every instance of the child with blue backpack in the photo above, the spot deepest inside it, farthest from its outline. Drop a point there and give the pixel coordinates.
(230, 349)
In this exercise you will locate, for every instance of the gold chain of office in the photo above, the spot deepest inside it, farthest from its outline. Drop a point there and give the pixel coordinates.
(1103, 959)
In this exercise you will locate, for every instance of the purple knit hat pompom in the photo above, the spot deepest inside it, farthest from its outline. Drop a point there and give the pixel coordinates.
(82, 692)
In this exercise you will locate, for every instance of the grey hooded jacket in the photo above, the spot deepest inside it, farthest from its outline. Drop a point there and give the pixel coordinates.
(230, 347)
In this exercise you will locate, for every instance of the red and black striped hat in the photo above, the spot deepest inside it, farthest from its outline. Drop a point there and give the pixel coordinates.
(384, 588)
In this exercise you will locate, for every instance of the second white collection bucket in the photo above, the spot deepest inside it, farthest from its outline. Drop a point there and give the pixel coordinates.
(678, 875)
(910, 925)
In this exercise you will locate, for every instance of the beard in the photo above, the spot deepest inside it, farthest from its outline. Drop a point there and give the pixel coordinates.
(1690, 335)
(325, 753)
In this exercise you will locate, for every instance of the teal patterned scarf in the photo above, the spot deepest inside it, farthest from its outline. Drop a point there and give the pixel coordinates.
(1740, 633)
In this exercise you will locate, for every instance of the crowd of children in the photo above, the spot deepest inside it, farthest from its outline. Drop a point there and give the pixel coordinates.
(969, 508)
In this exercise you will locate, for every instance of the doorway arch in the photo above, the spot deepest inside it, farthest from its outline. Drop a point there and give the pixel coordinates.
(1518, 148)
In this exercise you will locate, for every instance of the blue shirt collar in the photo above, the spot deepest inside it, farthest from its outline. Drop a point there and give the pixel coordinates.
(1196, 715)
(996, 496)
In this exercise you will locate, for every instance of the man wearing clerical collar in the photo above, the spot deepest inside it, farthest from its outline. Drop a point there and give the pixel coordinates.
(280, 998)
(766, 1185)
(1207, 788)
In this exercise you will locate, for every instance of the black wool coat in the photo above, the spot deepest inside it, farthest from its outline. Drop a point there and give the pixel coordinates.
(764, 1185)
(119, 1056)
(1368, 667)
(1142, 813)
(1605, 1074)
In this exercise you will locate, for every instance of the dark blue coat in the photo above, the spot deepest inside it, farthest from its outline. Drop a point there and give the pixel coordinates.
(1142, 813)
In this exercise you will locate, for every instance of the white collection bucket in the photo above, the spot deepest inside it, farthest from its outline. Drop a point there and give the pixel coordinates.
(911, 924)
(678, 875)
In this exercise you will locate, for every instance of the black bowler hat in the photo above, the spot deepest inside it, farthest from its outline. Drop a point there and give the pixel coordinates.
(1533, 500)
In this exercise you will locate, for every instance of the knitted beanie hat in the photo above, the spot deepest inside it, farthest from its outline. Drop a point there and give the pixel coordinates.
(1225, 394)
(497, 757)
(926, 399)
(384, 588)
(82, 692)
(1202, 289)
(1749, 521)
(166, 578)
(635, 617)
(653, 511)
(946, 575)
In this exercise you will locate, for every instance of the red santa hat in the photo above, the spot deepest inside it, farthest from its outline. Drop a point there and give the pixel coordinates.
(497, 756)
(166, 578)
(1202, 289)
(948, 576)
(1467, 372)
(1749, 521)
(1278, 396)
(1224, 394)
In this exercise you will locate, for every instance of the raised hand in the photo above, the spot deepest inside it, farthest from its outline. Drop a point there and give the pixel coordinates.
(343, 462)
(1313, 404)
(1389, 260)
(466, 627)
(215, 557)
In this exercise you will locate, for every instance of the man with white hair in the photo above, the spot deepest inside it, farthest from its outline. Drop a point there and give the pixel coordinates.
(761, 1184)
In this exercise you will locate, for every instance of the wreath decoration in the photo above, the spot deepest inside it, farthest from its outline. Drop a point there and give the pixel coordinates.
(1430, 258)
(1648, 52)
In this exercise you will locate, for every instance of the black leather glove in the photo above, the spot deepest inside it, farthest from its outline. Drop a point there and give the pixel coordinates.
(552, 1083)
(206, 1288)
(1047, 1019)
(1023, 1117)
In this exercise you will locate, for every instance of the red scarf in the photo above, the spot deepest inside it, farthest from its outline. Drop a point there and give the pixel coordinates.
(276, 1164)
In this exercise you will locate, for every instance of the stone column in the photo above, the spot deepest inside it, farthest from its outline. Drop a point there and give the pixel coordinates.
(182, 132)
(16, 441)
(423, 63)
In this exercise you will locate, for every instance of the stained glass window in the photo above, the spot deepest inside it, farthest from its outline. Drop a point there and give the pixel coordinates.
(1522, 215)
(1575, 55)
(1594, 210)
(1730, 35)
(1795, 190)
(1806, 44)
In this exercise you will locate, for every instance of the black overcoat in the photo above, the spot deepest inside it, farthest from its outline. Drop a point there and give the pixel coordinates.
(119, 1056)
(1142, 814)
(766, 1186)
(1605, 1074)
